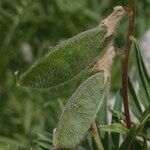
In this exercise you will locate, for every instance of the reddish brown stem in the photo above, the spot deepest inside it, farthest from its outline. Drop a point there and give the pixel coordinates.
(124, 64)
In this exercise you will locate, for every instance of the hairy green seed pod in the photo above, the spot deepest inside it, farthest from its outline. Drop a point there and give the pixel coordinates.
(73, 56)
(80, 112)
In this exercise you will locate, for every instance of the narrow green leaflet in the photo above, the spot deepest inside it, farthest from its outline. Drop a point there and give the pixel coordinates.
(145, 145)
(141, 62)
(143, 78)
(134, 101)
(43, 142)
(130, 137)
(116, 128)
(145, 115)
(80, 112)
(73, 56)
(12, 142)
(47, 137)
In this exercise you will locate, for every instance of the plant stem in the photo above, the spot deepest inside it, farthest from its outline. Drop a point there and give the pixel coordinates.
(124, 64)
(95, 134)
(131, 28)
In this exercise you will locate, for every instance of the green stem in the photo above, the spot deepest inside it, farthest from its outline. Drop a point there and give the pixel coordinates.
(95, 134)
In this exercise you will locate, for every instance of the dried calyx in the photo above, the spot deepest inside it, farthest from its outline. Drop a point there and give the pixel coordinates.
(105, 63)
(112, 21)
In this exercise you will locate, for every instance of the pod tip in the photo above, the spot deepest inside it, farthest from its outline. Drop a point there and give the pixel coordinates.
(16, 76)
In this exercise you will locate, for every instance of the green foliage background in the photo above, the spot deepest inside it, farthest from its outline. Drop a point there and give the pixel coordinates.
(41, 24)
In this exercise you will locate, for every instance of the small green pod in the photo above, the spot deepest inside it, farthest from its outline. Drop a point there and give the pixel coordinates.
(80, 112)
(73, 56)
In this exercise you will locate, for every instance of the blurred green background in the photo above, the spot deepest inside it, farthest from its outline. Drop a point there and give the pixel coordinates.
(28, 29)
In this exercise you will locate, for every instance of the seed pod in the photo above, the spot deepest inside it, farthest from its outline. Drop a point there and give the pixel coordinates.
(73, 56)
(80, 112)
